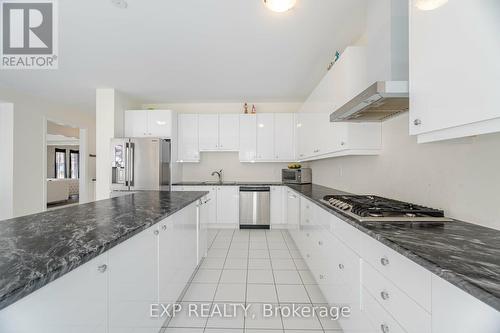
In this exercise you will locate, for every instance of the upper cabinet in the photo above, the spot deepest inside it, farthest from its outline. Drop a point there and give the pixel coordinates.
(219, 132)
(284, 136)
(454, 70)
(188, 147)
(265, 137)
(248, 138)
(148, 123)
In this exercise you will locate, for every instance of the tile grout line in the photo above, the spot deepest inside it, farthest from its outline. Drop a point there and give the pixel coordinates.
(275, 286)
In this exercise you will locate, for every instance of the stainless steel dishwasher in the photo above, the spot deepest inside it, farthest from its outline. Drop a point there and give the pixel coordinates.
(255, 207)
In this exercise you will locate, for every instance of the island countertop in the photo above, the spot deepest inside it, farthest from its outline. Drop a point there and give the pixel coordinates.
(37, 249)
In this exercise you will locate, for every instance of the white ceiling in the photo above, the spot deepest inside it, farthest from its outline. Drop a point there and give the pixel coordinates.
(193, 50)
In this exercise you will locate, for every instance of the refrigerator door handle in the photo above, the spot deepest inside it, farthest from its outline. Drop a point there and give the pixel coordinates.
(131, 164)
(126, 163)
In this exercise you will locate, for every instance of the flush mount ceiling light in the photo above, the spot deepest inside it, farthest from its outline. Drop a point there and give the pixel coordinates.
(120, 3)
(279, 6)
(429, 4)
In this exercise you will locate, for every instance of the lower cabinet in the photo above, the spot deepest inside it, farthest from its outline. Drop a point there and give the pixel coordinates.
(114, 291)
(222, 208)
(76, 302)
(278, 207)
(386, 291)
(292, 209)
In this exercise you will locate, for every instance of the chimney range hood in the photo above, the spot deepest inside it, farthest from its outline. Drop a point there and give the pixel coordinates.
(378, 102)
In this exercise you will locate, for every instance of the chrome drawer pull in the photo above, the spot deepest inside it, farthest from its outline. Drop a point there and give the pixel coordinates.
(164, 227)
(320, 243)
(384, 261)
(384, 328)
(341, 266)
(321, 277)
(384, 294)
(102, 268)
(156, 232)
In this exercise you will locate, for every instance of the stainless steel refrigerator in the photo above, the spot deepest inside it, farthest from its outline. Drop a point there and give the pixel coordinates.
(140, 164)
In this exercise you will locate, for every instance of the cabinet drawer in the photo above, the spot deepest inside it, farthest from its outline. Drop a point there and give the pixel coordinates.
(413, 279)
(412, 317)
(379, 319)
(347, 234)
(306, 212)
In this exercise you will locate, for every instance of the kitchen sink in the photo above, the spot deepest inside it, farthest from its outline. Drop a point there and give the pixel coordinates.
(219, 183)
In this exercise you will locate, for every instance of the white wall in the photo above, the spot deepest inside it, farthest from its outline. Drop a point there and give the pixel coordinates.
(232, 168)
(110, 107)
(461, 176)
(6, 160)
(212, 161)
(30, 115)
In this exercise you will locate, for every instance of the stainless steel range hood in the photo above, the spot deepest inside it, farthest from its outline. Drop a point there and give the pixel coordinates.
(378, 102)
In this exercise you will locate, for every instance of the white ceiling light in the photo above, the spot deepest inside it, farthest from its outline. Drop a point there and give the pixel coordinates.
(280, 6)
(120, 3)
(429, 4)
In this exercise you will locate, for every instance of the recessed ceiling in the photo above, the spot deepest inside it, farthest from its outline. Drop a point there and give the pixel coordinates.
(193, 50)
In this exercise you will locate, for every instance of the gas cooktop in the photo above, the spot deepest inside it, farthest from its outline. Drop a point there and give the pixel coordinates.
(370, 208)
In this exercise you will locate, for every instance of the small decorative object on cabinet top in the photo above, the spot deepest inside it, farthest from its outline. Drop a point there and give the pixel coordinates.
(294, 166)
(245, 108)
(254, 110)
(335, 59)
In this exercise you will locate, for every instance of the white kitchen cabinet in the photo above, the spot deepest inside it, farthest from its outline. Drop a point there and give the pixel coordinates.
(265, 137)
(455, 311)
(75, 302)
(208, 132)
(248, 138)
(219, 132)
(292, 209)
(133, 282)
(229, 132)
(453, 96)
(188, 146)
(284, 137)
(228, 202)
(148, 123)
(277, 205)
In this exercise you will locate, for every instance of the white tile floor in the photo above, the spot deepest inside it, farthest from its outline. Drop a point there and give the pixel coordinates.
(251, 268)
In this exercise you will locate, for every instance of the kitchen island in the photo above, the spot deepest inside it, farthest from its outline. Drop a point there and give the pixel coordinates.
(84, 249)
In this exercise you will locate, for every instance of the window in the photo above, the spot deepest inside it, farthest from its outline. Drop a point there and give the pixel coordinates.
(60, 163)
(74, 164)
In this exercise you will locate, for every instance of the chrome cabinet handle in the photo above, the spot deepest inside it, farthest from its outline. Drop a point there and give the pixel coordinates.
(102, 268)
(384, 328)
(342, 143)
(384, 261)
(320, 243)
(156, 232)
(321, 277)
(164, 227)
(341, 266)
(417, 122)
(385, 295)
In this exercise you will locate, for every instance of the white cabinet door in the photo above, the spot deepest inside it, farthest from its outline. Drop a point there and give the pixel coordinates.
(228, 205)
(248, 138)
(293, 210)
(136, 124)
(455, 311)
(277, 206)
(133, 282)
(265, 137)
(159, 123)
(284, 138)
(168, 262)
(446, 93)
(208, 131)
(229, 132)
(75, 302)
(188, 138)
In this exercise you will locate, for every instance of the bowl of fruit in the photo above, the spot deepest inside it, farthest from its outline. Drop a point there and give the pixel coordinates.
(294, 166)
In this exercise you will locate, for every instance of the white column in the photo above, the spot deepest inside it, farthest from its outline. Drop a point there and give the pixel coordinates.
(6, 160)
(110, 107)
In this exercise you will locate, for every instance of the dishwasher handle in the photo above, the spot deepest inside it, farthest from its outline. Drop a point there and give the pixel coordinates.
(255, 189)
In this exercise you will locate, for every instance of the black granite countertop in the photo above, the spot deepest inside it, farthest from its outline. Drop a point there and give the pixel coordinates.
(37, 249)
(227, 183)
(465, 254)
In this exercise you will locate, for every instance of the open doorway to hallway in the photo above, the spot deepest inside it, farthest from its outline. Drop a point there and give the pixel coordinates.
(63, 165)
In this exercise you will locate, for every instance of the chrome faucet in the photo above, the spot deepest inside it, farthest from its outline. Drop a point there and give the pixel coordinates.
(219, 174)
